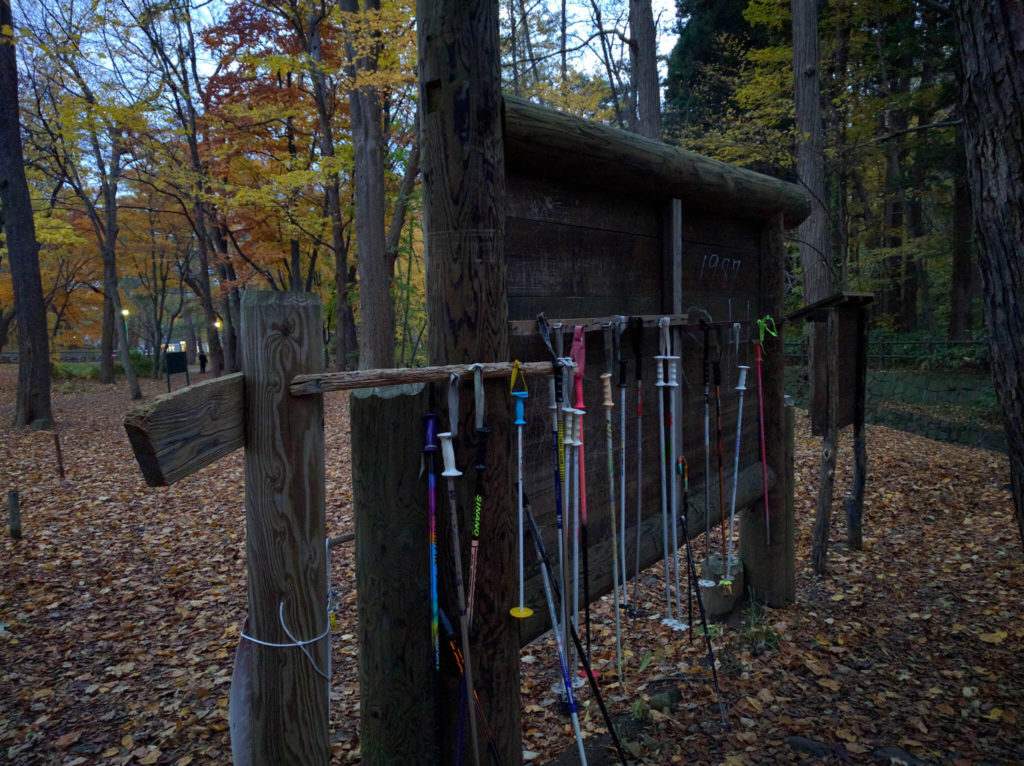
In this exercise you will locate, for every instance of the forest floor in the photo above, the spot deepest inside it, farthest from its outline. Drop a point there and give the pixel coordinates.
(120, 613)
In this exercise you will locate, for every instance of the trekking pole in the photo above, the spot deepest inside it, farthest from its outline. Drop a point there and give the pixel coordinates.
(741, 387)
(608, 403)
(522, 611)
(703, 615)
(450, 473)
(565, 426)
(721, 464)
(659, 369)
(545, 565)
(707, 437)
(620, 326)
(449, 632)
(567, 684)
(691, 576)
(636, 328)
(429, 449)
(765, 325)
(479, 465)
(572, 466)
(672, 384)
(579, 355)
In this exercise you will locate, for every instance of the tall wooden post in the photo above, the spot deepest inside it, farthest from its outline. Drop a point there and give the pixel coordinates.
(467, 311)
(396, 706)
(827, 474)
(282, 337)
(769, 569)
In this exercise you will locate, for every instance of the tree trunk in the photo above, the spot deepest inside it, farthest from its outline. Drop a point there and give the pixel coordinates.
(810, 157)
(960, 288)
(32, 406)
(107, 341)
(991, 39)
(643, 54)
(376, 308)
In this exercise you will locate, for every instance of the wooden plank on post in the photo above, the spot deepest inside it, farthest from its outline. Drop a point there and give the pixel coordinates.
(392, 577)
(282, 336)
(176, 434)
(463, 172)
(769, 568)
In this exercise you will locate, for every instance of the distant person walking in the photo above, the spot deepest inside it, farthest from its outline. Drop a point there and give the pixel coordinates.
(202, 362)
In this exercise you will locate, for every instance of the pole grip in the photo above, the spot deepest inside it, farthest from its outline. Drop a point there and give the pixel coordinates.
(606, 389)
(742, 386)
(481, 448)
(478, 395)
(430, 432)
(659, 370)
(520, 397)
(448, 453)
(636, 330)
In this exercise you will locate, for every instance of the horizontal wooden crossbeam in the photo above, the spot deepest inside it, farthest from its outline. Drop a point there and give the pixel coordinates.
(176, 434)
(343, 381)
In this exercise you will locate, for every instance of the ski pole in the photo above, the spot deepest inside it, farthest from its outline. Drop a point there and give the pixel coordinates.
(565, 438)
(567, 684)
(659, 368)
(620, 326)
(742, 387)
(703, 617)
(579, 356)
(691, 576)
(521, 611)
(450, 473)
(721, 472)
(636, 328)
(673, 383)
(765, 325)
(545, 565)
(429, 449)
(608, 403)
(449, 632)
(707, 437)
(479, 465)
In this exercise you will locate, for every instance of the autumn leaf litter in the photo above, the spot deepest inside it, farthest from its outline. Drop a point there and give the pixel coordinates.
(121, 607)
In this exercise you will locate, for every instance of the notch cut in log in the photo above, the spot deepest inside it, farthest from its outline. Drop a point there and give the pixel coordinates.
(176, 434)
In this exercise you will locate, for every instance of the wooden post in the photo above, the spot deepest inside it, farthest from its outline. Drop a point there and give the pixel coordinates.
(461, 115)
(14, 514)
(282, 336)
(827, 475)
(60, 457)
(854, 505)
(392, 576)
(769, 569)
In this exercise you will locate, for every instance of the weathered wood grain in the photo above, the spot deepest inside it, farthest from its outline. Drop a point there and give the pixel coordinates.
(319, 383)
(176, 434)
(282, 335)
(545, 142)
(392, 577)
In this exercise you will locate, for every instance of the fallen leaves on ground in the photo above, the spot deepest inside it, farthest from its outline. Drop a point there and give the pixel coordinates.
(121, 608)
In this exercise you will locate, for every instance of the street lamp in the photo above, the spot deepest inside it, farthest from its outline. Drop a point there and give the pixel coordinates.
(217, 324)
(124, 315)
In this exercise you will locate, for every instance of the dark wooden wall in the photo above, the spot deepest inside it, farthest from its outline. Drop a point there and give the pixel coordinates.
(577, 251)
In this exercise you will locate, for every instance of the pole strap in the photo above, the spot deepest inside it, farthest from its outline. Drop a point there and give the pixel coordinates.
(478, 394)
(453, 403)
(766, 325)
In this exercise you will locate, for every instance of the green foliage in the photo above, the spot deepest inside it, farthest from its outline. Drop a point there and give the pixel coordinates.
(758, 631)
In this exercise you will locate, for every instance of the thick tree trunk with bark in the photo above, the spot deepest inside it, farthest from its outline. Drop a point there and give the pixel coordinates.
(813, 233)
(377, 310)
(960, 288)
(643, 54)
(991, 42)
(33, 398)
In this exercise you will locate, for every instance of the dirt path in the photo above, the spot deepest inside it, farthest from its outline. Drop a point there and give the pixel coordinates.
(120, 610)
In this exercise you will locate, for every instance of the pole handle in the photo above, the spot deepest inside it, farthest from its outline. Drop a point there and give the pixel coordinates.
(448, 453)
(430, 432)
(659, 370)
(478, 394)
(606, 388)
(636, 330)
(743, 378)
(520, 397)
(481, 448)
